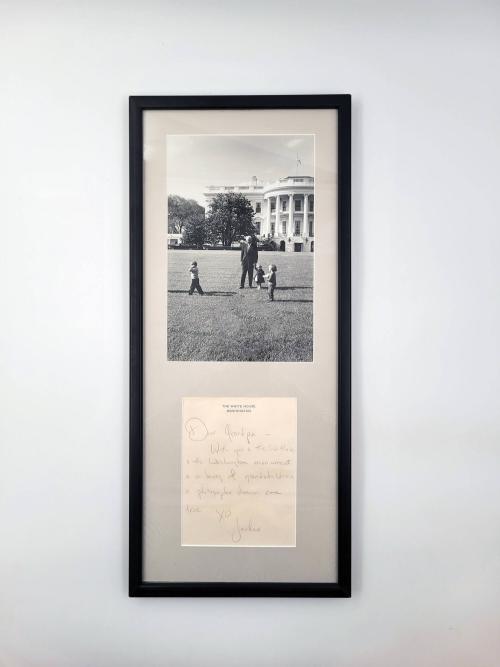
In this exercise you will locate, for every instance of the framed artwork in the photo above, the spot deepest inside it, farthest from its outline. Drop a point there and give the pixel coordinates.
(240, 346)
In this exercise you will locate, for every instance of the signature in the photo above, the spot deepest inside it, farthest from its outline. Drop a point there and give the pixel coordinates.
(239, 531)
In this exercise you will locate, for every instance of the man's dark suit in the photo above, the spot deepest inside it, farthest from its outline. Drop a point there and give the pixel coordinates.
(249, 256)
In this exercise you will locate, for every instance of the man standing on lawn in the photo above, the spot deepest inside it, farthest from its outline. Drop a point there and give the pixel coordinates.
(249, 256)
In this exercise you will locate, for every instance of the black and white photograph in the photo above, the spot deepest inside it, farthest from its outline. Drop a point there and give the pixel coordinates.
(240, 258)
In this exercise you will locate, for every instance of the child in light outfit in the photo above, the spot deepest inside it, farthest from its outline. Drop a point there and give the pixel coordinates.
(259, 275)
(195, 280)
(271, 277)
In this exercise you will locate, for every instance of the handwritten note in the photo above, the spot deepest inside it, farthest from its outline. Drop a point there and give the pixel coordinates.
(239, 472)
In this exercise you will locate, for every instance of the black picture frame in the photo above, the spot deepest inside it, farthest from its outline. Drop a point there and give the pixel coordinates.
(137, 586)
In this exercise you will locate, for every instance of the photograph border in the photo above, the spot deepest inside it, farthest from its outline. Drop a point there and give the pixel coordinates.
(137, 586)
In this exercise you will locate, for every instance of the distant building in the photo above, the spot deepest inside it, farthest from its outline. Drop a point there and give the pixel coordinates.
(174, 239)
(284, 210)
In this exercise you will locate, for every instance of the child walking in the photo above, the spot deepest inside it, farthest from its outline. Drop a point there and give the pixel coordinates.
(271, 277)
(259, 275)
(195, 280)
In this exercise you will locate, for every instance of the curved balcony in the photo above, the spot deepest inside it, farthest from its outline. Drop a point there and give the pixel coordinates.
(290, 185)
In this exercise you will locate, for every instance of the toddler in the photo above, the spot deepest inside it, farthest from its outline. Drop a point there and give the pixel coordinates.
(259, 275)
(195, 280)
(271, 277)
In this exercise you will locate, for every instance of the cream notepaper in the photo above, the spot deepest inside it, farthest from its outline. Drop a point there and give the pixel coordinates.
(239, 472)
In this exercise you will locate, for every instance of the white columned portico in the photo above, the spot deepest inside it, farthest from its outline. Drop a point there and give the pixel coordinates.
(290, 215)
(306, 215)
(277, 219)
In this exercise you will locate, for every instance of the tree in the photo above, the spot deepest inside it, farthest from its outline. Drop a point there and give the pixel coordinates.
(196, 230)
(182, 213)
(230, 216)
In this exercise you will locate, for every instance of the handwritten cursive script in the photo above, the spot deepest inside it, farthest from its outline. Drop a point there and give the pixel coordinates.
(239, 472)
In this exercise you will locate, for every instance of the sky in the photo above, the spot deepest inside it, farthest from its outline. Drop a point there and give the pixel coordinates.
(195, 161)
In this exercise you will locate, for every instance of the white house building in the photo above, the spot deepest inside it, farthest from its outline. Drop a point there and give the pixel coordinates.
(284, 210)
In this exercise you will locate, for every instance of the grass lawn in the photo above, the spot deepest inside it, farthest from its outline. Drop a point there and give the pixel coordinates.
(229, 324)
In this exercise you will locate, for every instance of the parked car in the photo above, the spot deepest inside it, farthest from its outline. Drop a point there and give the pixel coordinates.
(266, 245)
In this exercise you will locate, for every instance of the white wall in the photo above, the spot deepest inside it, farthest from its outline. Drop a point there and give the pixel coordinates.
(426, 316)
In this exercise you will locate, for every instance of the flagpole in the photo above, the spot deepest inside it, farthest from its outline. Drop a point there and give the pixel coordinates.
(297, 162)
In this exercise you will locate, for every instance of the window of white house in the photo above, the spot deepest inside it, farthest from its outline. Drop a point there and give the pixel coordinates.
(257, 207)
(272, 228)
(311, 228)
(257, 226)
(283, 205)
(311, 204)
(297, 227)
(298, 206)
(283, 228)
(273, 206)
